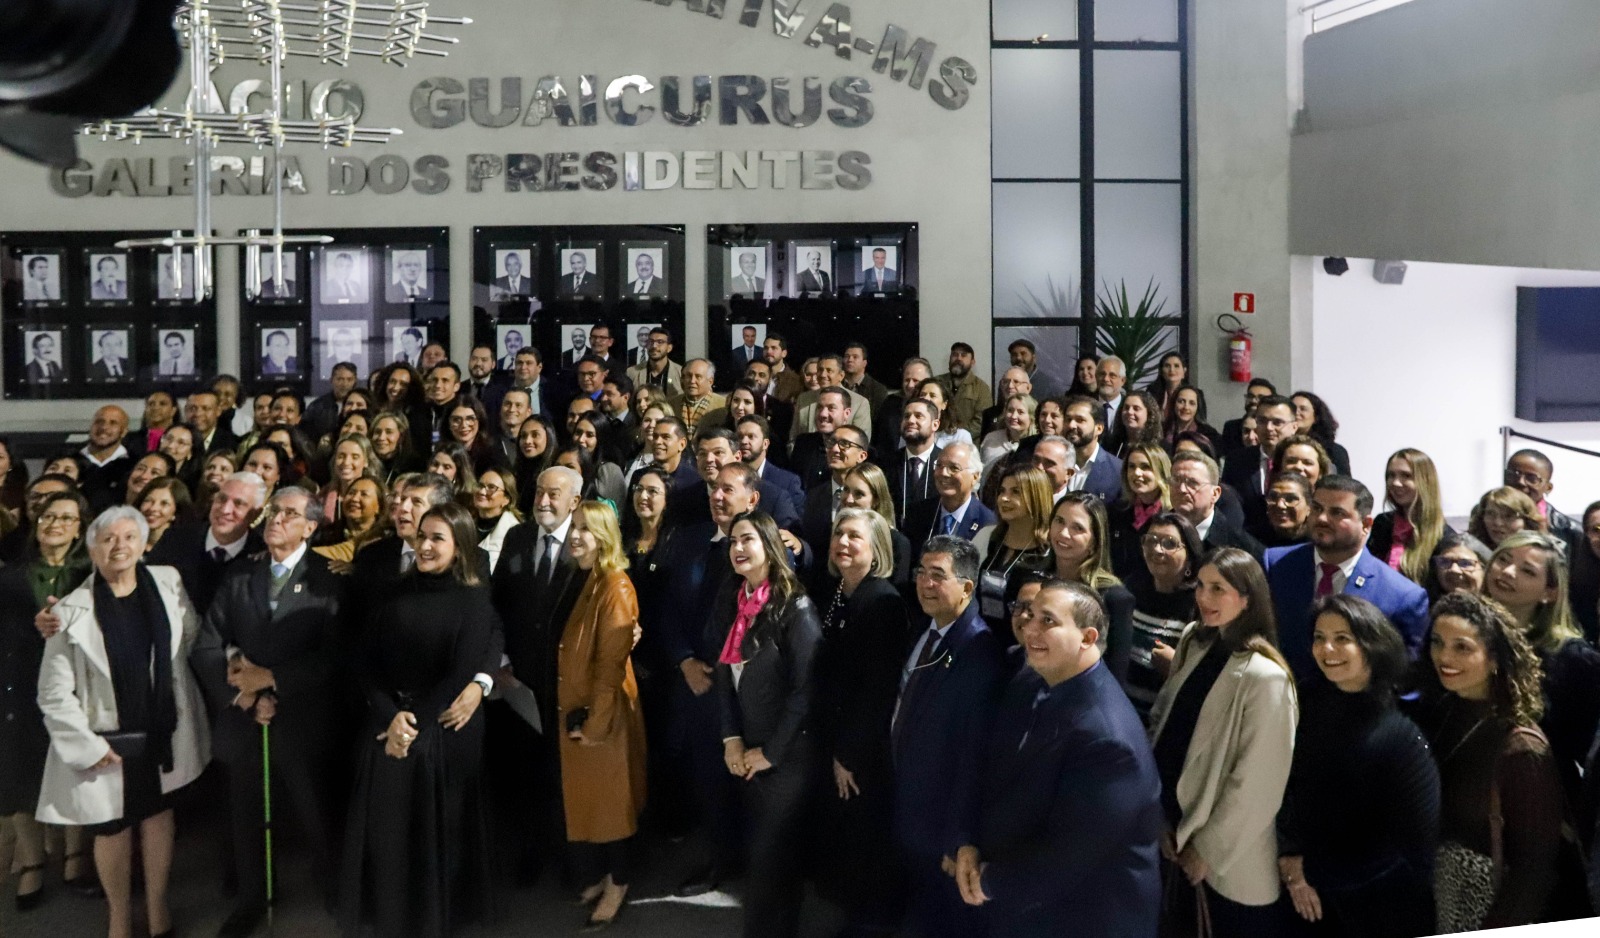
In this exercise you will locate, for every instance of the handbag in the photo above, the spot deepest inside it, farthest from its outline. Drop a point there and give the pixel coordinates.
(127, 745)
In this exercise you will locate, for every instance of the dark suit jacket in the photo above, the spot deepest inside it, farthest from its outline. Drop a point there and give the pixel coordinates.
(691, 505)
(534, 614)
(1049, 861)
(736, 287)
(938, 734)
(502, 287)
(291, 366)
(815, 282)
(657, 287)
(1381, 539)
(786, 484)
(300, 643)
(858, 676)
(573, 285)
(886, 424)
(490, 394)
(1292, 574)
(894, 471)
(693, 568)
(816, 520)
(1243, 472)
(869, 281)
(104, 486)
(44, 372)
(771, 707)
(1105, 475)
(918, 524)
(376, 573)
(809, 460)
(1225, 533)
(184, 547)
(100, 371)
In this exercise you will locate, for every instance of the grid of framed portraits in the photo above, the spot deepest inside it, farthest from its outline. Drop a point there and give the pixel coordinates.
(812, 283)
(549, 286)
(372, 297)
(83, 318)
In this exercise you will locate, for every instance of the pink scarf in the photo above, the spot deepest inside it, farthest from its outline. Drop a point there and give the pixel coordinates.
(1143, 513)
(750, 605)
(1404, 533)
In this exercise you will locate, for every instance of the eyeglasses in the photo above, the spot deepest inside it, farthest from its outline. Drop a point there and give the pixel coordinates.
(1164, 544)
(938, 577)
(842, 444)
(1444, 564)
(650, 490)
(1189, 484)
(491, 490)
(1513, 477)
(46, 521)
(1021, 609)
(287, 514)
(1278, 501)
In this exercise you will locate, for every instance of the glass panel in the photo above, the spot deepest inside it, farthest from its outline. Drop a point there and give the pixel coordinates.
(1030, 19)
(1122, 20)
(1137, 237)
(1057, 351)
(1035, 113)
(1037, 257)
(1137, 118)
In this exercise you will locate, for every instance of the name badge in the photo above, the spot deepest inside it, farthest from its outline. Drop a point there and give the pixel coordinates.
(991, 595)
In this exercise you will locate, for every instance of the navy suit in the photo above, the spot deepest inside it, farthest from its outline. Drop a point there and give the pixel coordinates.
(1051, 862)
(894, 471)
(1105, 476)
(184, 547)
(922, 519)
(1292, 574)
(786, 483)
(1242, 471)
(937, 737)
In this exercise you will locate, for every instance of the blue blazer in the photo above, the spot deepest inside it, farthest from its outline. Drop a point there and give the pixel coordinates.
(694, 568)
(1105, 476)
(937, 739)
(1291, 572)
(922, 520)
(1050, 861)
(787, 483)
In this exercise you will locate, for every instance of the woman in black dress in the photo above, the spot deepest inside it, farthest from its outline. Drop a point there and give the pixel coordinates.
(56, 563)
(1360, 818)
(765, 682)
(415, 843)
(1163, 603)
(858, 679)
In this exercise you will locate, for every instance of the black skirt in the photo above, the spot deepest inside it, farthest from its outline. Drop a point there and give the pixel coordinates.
(141, 797)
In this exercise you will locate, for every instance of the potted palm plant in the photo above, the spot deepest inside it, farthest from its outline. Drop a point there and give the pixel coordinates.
(1132, 330)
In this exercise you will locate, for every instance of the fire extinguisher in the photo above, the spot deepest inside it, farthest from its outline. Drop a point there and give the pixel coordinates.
(1238, 347)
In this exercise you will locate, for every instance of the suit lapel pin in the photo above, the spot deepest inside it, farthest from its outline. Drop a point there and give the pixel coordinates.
(297, 587)
(1361, 581)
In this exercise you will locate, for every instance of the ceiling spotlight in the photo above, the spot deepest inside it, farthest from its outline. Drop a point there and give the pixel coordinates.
(1335, 266)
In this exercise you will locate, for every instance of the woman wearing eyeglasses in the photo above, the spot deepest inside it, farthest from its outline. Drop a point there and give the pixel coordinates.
(1458, 563)
(1163, 603)
(1288, 510)
(55, 565)
(494, 504)
(469, 426)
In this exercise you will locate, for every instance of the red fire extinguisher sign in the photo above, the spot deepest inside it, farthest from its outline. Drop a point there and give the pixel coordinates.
(1244, 302)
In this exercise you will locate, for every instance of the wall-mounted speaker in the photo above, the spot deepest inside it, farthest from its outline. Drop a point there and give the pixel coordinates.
(1393, 272)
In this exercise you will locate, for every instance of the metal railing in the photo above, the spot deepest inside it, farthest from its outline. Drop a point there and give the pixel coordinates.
(1506, 433)
(1326, 14)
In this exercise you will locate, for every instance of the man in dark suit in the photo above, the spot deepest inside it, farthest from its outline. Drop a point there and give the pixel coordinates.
(43, 368)
(646, 284)
(813, 279)
(268, 655)
(757, 376)
(808, 458)
(1530, 472)
(909, 470)
(106, 460)
(714, 450)
(1066, 737)
(579, 351)
(1248, 470)
(879, 278)
(514, 283)
(536, 583)
(1337, 561)
(203, 552)
(1233, 430)
(641, 347)
(744, 353)
(620, 434)
(111, 362)
(578, 281)
(1195, 493)
(953, 671)
(1099, 472)
(545, 395)
(279, 358)
(956, 511)
(755, 440)
(202, 411)
(846, 448)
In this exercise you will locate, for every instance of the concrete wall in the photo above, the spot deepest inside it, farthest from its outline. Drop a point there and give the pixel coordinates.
(1453, 130)
(1431, 363)
(929, 165)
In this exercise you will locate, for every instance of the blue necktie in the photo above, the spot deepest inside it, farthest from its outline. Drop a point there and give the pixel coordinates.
(949, 524)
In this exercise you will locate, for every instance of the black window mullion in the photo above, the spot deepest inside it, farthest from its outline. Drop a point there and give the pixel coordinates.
(1086, 335)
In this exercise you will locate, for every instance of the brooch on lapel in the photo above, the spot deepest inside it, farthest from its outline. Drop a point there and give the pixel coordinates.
(1361, 581)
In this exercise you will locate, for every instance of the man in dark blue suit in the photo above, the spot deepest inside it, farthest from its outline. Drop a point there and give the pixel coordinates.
(952, 674)
(1098, 470)
(1337, 561)
(1066, 738)
(1249, 471)
(755, 439)
(714, 449)
(956, 510)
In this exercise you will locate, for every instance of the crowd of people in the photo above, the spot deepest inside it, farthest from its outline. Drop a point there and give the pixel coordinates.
(966, 663)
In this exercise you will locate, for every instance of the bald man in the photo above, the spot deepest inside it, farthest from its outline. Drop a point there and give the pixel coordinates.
(105, 460)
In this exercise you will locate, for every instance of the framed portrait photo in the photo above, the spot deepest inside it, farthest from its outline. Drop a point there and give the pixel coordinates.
(746, 339)
(509, 339)
(811, 269)
(748, 267)
(342, 340)
(574, 339)
(280, 350)
(41, 277)
(578, 271)
(343, 277)
(269, 285)
(880, 270)
(107, 275)
(406, 340)
(516, 267)
(644, 270)
(408, 274)
(638, 339)
(107, 354)
(175, 352)
(44, 351)
(175, 277)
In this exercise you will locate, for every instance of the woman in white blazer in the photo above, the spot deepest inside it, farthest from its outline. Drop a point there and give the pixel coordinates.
(126, 723)
(494, 505)
(1223, 731)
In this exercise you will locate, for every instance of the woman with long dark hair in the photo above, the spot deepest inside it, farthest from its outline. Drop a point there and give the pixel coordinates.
(1018, 541)
(1406, 535)
(536, 452)
(1084, 382)
(1163, 603)
(1171, 374)
(1138, 424)
(608, 481)
(390, 434)
(1314, 419)
(1223, 729)
(1500, 791)
(415, 843)
(469, 426)
(178, 442)
(146, 469)
(13, 487)
(1187, 415)
(765, 681)
(451, 461)
(399, 388)
(1360, 818)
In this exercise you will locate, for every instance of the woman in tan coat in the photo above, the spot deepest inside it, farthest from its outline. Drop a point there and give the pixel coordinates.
(602, 749)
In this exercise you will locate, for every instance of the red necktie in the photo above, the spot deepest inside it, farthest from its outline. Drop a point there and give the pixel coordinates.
(1325, 585)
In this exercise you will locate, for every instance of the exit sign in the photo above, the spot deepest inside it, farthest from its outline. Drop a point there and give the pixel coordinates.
(1244, 302)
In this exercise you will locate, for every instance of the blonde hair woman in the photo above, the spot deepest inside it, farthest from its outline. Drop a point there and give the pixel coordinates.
(1015, 423)
(1146, 492)
(602, 741)
(1501, 513)
(1406, 535)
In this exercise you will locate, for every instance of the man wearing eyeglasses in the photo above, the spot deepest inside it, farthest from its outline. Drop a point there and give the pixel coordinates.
(952, 673)
(1195, 492)
(267, 656)
(808, 458)
(1248, 470)
(1530, 471)
(955, 511)
(845, 448)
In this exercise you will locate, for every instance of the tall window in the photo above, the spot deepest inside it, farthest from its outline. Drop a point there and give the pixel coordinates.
(1090, 170)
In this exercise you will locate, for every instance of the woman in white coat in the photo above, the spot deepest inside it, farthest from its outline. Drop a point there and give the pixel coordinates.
(1223, 731)
(124, 713)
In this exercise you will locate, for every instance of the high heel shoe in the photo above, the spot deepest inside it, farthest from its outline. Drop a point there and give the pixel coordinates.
(84, 885)
(592, 894)
(596, 923)
(27, 902)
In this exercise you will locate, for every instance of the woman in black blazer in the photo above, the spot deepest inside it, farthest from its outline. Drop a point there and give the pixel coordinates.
(864, 635)
(1316, 421)
(1405, 536)
(765, 677)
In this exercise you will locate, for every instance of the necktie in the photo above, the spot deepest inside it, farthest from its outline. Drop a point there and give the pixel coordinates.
(280, 577)
(219, 555)
(1110, 414)
(914, 480)
(930, 648)
(1325, 584)
(947, 524)
(408, 561)
(547, 560)
(750, 284)
(116, 369)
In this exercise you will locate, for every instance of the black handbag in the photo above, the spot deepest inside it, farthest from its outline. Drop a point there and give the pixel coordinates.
(127, 745)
